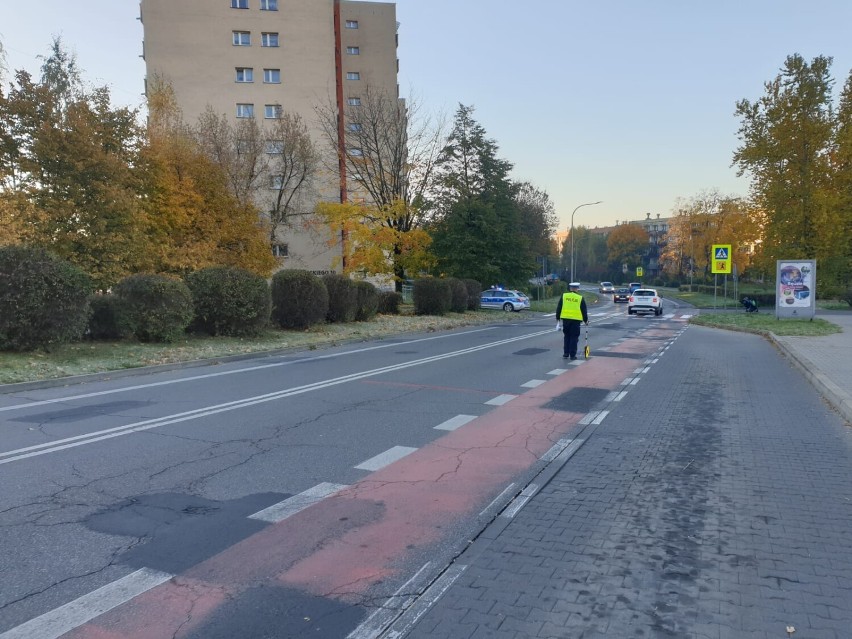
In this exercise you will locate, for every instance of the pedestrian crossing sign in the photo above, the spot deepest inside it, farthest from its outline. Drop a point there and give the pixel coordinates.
(721, 262)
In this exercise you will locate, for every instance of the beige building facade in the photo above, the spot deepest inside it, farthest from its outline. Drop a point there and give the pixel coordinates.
(259, 58)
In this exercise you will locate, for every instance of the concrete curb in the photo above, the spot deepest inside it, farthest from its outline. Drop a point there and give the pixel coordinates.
(834, 395)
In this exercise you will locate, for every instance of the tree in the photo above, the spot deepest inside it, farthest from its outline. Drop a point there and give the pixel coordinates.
(626, 244)
(537, 217)
(67, 165)
(786, 137)
(292, 168)
(192, 216)
(387, 159)
(476, 232)
(371, 247)
(836, 238)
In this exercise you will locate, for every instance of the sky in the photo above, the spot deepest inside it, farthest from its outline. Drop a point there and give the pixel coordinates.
(627, 102)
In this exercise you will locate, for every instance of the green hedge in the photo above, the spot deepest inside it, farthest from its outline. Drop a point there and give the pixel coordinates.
(299, 299)
(474, 294)
(156, 308)
(432, 296)
(366, 301)
(44, 300)
(229, 301)
(458, 290)
(342, 298)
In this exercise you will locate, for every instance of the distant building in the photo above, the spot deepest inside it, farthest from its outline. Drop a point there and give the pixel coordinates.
(259, 58)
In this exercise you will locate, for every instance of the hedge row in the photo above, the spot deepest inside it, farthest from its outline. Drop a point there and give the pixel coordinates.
(45, 301)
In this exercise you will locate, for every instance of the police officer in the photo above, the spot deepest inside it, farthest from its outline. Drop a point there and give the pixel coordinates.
(570, 311)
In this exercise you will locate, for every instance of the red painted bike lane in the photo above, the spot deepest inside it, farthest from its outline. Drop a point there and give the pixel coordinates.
(357, 538)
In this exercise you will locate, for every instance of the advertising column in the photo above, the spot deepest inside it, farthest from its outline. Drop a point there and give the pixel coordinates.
(795, 289)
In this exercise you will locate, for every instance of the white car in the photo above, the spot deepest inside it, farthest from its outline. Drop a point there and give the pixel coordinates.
(644, 300)
(505, 299)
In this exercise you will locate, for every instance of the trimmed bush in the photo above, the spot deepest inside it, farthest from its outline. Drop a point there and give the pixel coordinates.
(229, 301)
(367, 301)
(157, 308)
(107, 320)
(559, 288)
(432, 296)
(389, 302)
(44, 300)
(342, 298)
(299, 299)
(458, 290)
(474, 292)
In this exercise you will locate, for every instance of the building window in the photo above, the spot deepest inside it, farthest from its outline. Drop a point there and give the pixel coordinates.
(351, 24)
(269, 5)
(239, 4)
(280, 250)
(269, 39)
(353, 75)
(245, 110)
(242, 38)
(272, 76)
(353, 50)
(276, 182)
(358, 153)
(355, 126)
(353, 101)
(272, 111)
(243, 146)
(245, 74)
(275, 147)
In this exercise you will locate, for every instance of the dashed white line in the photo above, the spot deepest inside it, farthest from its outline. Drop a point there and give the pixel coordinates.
(519, 501)
(497, 499)
(386, 458)
(62, 620)
(500, 400)
(289, 507)
(553, 452)
(533, 383)
(557, 371)
(455, 422)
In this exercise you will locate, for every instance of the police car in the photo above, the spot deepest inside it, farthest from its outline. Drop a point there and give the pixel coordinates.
(505, 299)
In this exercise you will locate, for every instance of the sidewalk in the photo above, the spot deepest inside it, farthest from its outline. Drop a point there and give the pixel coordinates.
(728, 522)
(825, 361)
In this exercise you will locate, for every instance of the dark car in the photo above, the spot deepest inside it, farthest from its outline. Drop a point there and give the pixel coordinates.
(621, 295)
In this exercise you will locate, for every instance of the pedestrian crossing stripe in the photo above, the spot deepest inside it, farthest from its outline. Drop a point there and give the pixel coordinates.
(722, 253)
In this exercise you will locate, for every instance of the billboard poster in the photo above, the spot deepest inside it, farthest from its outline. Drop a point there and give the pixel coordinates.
(795, 292)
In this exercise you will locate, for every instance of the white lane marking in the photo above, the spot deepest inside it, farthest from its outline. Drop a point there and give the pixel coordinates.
(500, 400)
(497, 499)
(404, 624)
(610, 397)
(600, 417)
(620, 396)
(533, 383)
(455, 422)
(118, 431)
(386, 458)
(248, 369)
(554, 451)
(557, 371)
(627, 381)
(685, 316)
(62, 620)
(604, 348)
(639, 371)
(289, 507)
(646, 369)
(519, 501)
(392, 607)
(588, 417)
(633, 382)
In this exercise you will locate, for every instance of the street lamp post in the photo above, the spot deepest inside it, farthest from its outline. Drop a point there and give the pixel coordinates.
(572, 234)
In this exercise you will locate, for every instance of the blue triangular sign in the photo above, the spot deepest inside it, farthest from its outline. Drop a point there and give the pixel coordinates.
(721, 253)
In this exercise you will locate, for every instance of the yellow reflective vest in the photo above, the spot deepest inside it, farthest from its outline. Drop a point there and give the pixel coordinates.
(571, 306)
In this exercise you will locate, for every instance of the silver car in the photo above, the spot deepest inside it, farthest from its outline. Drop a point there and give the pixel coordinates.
(505, 299)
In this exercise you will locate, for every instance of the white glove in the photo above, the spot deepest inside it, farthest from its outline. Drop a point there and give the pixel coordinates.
(558, 325)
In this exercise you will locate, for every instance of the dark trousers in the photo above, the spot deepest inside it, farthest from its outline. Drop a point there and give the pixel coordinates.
(570, 336)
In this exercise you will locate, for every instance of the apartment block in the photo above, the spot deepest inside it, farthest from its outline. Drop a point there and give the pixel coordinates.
(259, 58)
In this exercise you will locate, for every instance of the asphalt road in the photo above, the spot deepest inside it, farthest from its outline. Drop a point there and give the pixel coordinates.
(299, 495)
